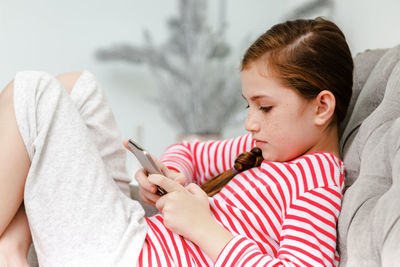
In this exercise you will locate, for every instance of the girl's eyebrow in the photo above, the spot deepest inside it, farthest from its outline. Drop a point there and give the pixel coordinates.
(255, 97)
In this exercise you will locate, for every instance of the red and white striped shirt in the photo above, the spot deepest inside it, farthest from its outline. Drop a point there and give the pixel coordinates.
(281, 214)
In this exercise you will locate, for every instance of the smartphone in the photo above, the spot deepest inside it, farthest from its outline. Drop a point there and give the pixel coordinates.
(147, 163)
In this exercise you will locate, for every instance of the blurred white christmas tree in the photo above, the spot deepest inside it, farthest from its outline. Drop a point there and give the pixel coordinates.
(199, 89)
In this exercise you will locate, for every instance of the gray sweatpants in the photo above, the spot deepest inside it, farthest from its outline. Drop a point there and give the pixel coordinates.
(77, 214)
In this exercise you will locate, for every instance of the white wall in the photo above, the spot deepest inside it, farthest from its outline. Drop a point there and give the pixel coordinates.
(60, 36)
(369, 24)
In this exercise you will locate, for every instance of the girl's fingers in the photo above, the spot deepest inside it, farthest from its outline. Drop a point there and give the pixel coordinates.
(143, 198)
(147, 190)
(160, 203)
(180, 178)
(148, 197)
(166, 183)
(143, 181)
(125, 143)
(196, 190)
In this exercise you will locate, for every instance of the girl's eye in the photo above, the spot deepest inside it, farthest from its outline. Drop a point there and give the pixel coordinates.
(247, 106)
(266, 109)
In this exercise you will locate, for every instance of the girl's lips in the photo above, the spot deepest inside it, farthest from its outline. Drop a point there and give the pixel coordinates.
(260, 143)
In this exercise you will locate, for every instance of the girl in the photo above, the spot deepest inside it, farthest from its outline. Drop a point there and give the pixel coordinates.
(275, 205)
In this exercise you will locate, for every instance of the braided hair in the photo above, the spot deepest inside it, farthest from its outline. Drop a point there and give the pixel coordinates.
(244, 161)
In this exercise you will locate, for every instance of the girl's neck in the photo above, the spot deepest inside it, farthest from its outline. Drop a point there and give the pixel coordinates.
(328, 143)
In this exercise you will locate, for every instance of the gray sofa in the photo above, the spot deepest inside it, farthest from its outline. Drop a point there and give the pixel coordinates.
(369, 225)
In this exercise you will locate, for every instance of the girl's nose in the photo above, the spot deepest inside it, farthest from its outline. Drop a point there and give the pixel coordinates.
(251, 125)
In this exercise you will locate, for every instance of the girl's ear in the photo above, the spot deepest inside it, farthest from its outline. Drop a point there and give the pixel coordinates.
(325, 102)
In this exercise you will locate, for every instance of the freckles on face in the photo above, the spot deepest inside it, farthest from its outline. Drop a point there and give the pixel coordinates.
(286, 132)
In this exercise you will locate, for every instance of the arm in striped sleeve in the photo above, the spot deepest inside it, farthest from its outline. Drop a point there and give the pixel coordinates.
(308, 236)
(200, 161)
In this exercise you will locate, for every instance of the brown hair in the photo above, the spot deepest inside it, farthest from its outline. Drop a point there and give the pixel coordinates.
(307, 55)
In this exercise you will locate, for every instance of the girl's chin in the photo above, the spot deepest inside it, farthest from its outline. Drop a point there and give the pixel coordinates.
(267, 156)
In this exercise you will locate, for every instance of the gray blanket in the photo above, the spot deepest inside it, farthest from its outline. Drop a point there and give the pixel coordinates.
(369, 226)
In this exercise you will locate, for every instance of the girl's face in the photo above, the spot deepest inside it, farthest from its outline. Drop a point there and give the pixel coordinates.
(280, 119)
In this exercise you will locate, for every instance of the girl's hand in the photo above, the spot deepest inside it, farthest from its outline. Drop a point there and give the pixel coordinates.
(147, 190)
(186, 210)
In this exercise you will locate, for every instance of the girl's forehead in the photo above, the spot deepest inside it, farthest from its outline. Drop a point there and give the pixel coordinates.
(254, 83)
(260, 71)
(263, 66)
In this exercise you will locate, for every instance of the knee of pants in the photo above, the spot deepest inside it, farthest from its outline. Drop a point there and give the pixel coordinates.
(37, 96)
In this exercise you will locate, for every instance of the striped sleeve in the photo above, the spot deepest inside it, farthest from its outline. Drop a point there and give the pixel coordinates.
(308, 236)
(200, 161)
